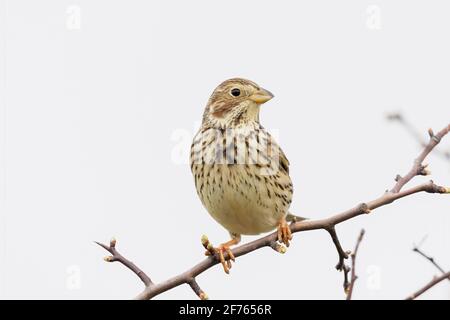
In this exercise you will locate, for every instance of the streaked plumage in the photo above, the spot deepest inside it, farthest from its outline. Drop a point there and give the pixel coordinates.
(240, 172)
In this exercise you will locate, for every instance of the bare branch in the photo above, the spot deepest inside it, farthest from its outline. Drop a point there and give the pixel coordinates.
(116, 256)
(408, 127)
(418, 168)
(429, 285)
(328, 224)
(346, 270)
(196, 288)
(340, 266)
(398, 117)
(354, 277)
(429, 258)
(342, 254)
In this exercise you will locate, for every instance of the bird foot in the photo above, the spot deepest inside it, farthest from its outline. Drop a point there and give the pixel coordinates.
(222, 253)
(284, 232)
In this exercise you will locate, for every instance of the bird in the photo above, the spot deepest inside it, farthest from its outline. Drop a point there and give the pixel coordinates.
(241, 174)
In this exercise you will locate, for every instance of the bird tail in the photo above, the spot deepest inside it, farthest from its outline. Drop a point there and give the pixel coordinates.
(293, 218)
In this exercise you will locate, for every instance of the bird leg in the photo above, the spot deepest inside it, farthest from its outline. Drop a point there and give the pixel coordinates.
(284, 232)
(221, 250)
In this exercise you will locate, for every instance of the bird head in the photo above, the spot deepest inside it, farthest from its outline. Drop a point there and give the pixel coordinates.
(235, 102)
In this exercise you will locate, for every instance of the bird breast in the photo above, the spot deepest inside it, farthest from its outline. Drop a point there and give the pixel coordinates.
(242, 178)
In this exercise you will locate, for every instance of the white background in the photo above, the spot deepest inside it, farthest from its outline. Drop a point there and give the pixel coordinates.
(100, 100)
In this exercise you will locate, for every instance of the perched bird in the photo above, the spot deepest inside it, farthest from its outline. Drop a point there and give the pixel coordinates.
(241, 174)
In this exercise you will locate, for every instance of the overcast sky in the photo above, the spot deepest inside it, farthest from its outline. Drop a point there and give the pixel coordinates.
(100, 101)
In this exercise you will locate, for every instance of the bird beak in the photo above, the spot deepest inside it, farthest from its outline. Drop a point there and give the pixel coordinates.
(261, 96)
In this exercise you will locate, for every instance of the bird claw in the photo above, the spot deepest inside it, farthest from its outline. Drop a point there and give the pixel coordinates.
(226, 263)
(219, 253)
(284, 233)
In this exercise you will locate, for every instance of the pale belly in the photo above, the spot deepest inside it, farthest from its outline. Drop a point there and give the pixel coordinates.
(241, 203)
(239, 194)
(239, 216)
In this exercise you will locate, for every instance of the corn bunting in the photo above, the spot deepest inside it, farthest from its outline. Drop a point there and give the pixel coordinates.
(241, 174)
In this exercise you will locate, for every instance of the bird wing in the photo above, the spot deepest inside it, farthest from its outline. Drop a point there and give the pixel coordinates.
(284, 162)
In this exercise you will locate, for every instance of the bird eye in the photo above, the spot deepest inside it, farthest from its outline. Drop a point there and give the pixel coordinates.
(235, 92)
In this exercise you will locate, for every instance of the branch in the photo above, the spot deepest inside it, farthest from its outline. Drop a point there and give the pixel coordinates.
(342, 254)
(354, 277)
(429, 285)
(149, 285)
(429, 258)
(116, 256)
(416, 134)
(327, 224)
(418, 168)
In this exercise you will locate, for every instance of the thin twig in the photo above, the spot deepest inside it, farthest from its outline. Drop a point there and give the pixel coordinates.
(429, 285)
(429, 258)
(346, 270)
(398, 117)
(354, 277)
(340, 266)
(342, 254)
(418, 167)
(327, 224)
(116, 256)
(196, 288)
